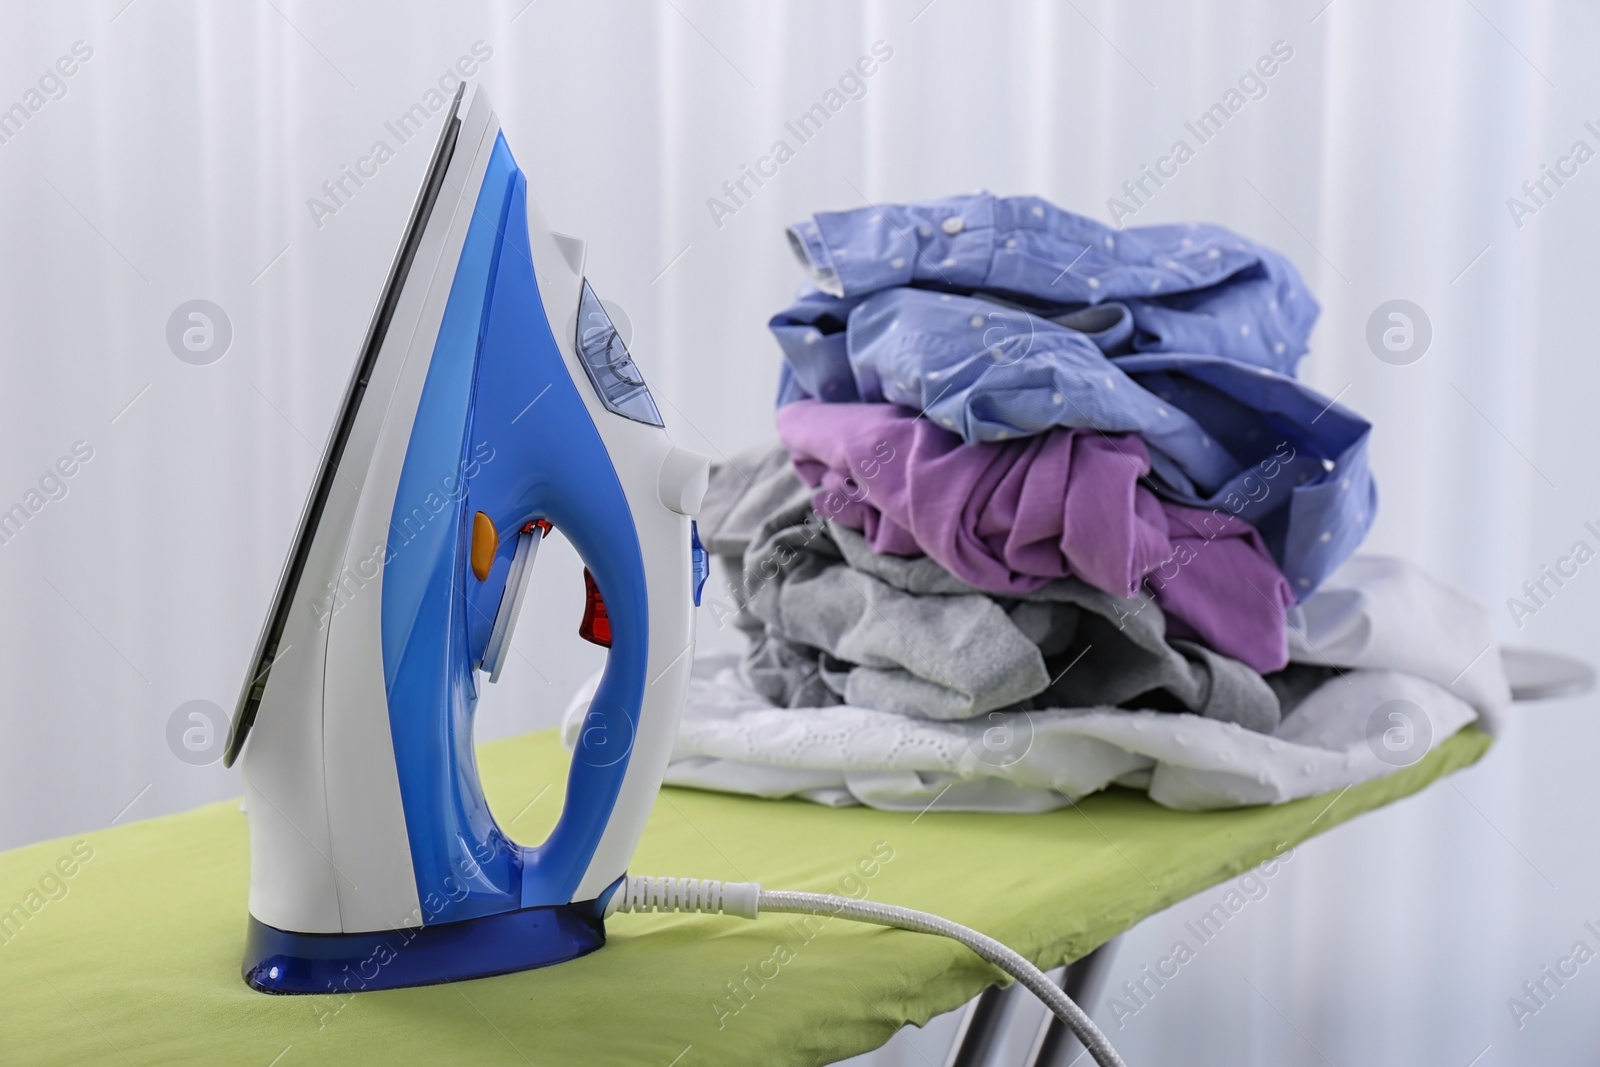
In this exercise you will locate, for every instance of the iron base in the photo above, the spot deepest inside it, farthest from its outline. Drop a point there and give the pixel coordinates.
(277, 961)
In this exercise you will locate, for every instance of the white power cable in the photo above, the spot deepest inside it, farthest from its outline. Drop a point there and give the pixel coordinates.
(747, 899)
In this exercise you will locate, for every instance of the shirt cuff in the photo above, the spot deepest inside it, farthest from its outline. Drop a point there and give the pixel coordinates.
(805, 240)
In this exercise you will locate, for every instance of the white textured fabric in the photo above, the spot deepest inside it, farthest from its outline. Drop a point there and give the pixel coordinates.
(1404, 636)
(1382, 612)
(732, 740)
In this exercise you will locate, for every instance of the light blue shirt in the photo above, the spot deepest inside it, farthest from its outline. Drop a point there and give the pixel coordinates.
(1227, 429)
(1190, 287)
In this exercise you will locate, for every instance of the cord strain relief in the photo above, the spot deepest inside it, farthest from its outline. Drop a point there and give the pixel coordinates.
(641, 893)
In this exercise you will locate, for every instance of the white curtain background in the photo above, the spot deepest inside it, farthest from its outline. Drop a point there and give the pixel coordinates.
(178, 163)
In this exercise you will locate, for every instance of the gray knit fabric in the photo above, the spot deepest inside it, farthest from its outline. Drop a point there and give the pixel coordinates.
(831, 621)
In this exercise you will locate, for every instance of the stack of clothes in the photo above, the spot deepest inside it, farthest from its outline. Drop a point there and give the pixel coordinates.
(1051, 512)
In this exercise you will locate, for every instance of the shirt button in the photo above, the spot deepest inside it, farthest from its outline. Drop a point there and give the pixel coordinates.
(952, 225)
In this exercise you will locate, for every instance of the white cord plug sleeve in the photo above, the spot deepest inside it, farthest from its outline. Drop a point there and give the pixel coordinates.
(705, 895)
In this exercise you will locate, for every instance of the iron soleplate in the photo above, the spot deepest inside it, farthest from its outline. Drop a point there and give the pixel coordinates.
(277, 961)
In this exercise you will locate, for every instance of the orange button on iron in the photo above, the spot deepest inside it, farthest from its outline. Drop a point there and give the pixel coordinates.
(485, 540)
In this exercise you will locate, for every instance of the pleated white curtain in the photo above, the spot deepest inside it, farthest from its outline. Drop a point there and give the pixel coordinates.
(185, 157)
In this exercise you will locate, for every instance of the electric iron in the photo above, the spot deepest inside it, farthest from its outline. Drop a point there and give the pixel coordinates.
(492, 401)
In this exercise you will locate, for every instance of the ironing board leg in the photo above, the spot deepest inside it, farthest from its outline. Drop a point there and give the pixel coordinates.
(981, 1031)
(1084, 981)
(979, 1026)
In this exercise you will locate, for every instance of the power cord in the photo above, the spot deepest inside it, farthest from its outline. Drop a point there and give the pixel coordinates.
(747, 900)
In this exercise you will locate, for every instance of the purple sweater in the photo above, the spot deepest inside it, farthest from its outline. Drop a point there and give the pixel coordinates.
(1011, 517)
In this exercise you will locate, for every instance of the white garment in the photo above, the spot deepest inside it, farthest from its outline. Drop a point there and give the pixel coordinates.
(1382, 612)
(1404, 636)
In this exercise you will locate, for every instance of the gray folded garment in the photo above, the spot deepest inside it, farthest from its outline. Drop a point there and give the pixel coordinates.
(831, 621)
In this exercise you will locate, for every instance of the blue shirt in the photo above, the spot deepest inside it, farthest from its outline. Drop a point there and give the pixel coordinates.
(1225, 429)
(1190, 287)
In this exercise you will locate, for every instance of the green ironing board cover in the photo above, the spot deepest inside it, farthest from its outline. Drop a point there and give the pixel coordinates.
(138, 963)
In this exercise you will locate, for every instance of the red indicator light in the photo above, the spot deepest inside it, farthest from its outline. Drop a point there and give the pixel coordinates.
(596, 624)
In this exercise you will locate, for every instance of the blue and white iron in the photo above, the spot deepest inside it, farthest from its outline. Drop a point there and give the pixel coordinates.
(492, 399)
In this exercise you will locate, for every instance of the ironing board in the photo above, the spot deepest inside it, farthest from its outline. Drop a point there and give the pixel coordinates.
(138, 961)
